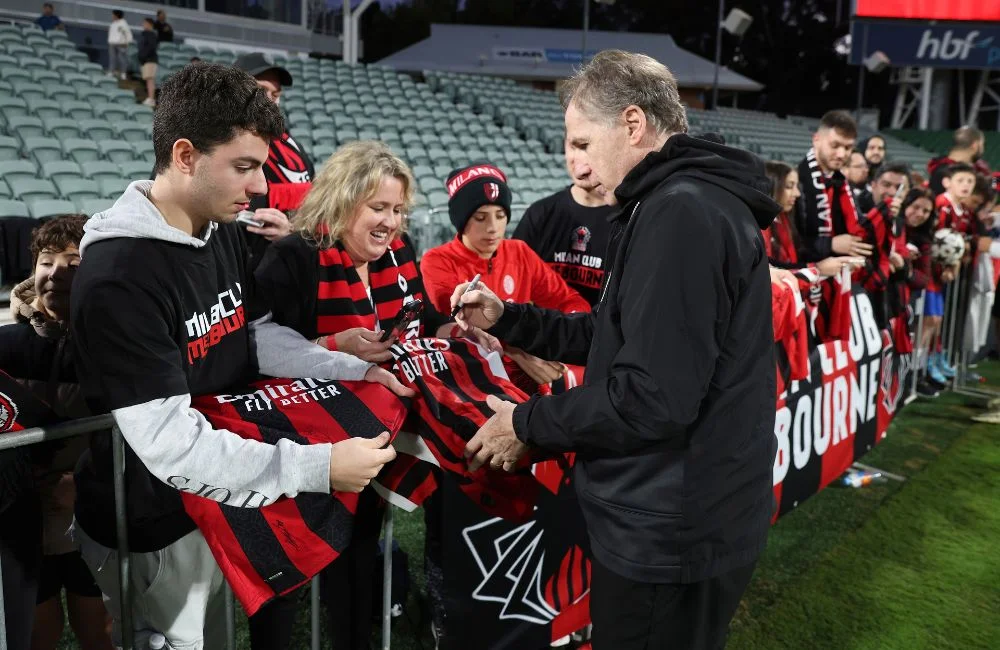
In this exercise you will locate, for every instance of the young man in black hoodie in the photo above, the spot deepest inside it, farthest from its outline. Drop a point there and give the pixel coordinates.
(149, 60)
(163, 308)
(674, 426)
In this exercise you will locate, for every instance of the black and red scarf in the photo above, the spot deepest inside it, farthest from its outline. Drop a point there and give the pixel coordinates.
(342, 300)
(827, 207)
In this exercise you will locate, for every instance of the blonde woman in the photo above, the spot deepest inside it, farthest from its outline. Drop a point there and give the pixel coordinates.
(339, 279)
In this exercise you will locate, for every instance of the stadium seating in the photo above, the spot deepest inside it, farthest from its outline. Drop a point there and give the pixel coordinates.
(78, 137)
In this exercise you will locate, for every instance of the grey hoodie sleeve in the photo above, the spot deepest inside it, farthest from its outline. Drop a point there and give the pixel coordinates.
(283, 352)
(179, 446)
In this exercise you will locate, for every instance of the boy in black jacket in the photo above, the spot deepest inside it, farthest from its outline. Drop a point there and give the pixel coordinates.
(674, 426)
(148, 59)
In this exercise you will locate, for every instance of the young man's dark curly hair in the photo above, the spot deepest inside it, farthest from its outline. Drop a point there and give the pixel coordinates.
(209, 104)
(57, 234)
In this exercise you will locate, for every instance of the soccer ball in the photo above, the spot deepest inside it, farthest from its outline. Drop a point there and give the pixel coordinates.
(948, 247)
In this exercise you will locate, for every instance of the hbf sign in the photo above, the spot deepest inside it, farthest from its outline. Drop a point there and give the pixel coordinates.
(951, 45)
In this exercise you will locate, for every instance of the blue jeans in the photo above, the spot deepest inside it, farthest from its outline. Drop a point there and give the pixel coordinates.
(118, 61)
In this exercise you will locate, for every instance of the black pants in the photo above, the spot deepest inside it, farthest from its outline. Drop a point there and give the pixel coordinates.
(346, 587)
(20, 563)
(629, 615)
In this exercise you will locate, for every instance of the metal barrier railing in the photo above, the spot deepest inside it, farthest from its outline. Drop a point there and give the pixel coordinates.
(94, 424)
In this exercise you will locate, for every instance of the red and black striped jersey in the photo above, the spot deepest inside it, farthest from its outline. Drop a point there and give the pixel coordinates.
(452, 378)
(791, 331)
(19, 410)
(287, 162)
(265, 550)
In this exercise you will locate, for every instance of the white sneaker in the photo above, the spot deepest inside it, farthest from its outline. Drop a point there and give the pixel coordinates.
(988, 418)
(149, 101)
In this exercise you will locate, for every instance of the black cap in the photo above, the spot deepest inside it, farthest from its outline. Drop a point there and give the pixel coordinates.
(256, 63)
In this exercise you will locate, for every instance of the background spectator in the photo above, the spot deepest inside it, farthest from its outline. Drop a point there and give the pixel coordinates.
(49, 20)
(164, 32)
(857, 173)
(968, 145)
(36, 350)
(148, 60)
(119, 38)
(874, 152)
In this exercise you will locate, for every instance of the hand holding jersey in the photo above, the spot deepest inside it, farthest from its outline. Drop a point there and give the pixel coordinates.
(495, 442)
(356, 461)
(361, 342)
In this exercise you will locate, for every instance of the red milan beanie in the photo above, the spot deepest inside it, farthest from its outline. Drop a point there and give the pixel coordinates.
(472, 187)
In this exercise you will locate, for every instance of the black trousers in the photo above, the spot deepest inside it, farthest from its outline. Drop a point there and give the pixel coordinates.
(347, 588)
(20, 563)
(629, 615)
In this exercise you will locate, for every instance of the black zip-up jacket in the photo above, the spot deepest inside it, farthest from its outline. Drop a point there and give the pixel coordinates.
(674, 426)
(147, 47)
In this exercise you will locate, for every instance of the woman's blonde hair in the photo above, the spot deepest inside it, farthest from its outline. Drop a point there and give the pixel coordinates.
(351, 175)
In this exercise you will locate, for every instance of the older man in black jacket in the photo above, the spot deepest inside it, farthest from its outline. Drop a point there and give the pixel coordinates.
(674, 427)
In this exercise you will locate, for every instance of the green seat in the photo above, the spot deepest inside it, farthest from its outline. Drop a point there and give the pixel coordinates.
(13, 106)
(112, 188)
(15, 171)
(141, 114)
(61, 169)
(25, 126)
(43, 150)
(132, 132)
(90, 207)
(10, 208)
(31, 62)
(97, 129)
(144, 151)
(30, 189)
(27, 89)
(135, 170)
(111, 112)
(43, 108)
(116, 151)
(77, 110)
(60, 93)
(83, 188)
(99, 170)
(62, 127)
(42, 208)
(81, 151)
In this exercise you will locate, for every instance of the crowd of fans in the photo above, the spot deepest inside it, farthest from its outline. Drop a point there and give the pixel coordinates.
(328, 271)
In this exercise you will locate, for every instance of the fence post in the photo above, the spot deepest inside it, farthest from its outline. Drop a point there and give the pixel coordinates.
(121, 525)
(918, 360)
(230, 619)
(387, 579)
(3, 618)
(314, 612)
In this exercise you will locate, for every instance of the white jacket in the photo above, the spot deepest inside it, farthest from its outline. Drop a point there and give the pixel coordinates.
(119, 33)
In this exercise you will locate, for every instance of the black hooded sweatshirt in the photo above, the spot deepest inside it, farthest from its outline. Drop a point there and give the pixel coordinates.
(674, 426)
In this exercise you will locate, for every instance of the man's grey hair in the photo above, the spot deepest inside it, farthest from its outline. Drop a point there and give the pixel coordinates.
(614, 80)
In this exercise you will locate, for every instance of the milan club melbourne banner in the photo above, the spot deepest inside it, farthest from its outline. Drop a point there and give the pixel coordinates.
(521, 586)
(825, 423)
(510, 585)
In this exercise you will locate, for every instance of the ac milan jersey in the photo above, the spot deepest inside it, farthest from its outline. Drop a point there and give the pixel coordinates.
(19, 410)
(267, 549)
(452, 379)
(287, 162)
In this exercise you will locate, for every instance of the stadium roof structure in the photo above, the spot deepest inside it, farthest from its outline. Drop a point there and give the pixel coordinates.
(533, 53)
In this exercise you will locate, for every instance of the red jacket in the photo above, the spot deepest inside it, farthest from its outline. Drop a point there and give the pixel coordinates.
(515, 273)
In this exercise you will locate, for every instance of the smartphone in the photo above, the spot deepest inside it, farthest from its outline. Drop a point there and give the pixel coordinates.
(245, 217)
(406, 315)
